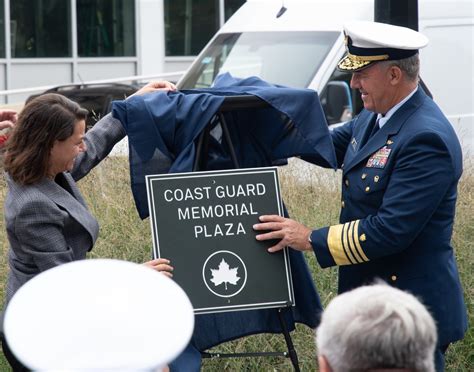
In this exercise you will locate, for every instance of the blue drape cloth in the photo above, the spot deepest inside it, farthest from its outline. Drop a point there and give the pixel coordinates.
(162, 131)
(163, 128)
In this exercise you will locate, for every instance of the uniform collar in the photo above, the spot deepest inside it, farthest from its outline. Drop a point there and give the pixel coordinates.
(382, 119)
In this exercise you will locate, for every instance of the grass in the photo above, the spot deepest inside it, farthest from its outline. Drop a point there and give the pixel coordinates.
(313, 201)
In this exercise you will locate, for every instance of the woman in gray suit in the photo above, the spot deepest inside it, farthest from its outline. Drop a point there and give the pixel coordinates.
(47, 220)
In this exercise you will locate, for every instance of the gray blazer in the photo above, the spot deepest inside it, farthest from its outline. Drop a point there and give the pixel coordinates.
(48, 224)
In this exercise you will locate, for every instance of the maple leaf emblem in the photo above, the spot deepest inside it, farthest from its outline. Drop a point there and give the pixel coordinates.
(224, 275)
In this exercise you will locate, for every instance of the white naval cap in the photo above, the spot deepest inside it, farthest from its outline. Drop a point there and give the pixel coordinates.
(368, 42)
(106, 315)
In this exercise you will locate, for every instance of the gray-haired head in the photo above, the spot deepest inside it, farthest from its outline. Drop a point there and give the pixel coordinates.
(410, 67)
(377, 327)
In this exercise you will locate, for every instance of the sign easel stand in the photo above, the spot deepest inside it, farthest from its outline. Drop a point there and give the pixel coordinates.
(200, 164)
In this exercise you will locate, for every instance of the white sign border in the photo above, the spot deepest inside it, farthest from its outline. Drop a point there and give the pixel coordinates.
(156, 247)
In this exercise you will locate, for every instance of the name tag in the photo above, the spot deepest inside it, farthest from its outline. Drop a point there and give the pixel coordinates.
(379, 159)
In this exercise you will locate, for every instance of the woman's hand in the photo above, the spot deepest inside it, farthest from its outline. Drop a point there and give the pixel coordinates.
(162, 265)
(154, 86)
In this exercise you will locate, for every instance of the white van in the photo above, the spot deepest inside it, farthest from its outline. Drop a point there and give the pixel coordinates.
(301, 49)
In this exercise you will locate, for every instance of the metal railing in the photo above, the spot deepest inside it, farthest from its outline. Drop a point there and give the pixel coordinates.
(166, 75)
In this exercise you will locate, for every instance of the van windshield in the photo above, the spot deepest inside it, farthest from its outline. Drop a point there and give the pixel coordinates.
(285, 58)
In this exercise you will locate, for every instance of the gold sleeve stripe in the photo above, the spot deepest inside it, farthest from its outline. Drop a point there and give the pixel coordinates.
(345, 244)
(357, 243)
(352, 244)
(334, 241)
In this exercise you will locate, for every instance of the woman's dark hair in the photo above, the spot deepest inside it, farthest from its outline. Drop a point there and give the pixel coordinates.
(45, 119)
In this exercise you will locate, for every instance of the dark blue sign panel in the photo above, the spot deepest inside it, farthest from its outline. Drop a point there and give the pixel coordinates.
(202, 222)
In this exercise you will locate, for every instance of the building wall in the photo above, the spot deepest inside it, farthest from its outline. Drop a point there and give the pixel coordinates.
(56, 42)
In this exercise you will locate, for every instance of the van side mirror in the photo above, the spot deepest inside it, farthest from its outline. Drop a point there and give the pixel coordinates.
(336, 102)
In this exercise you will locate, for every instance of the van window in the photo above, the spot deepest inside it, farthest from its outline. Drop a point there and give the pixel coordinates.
(284, 58)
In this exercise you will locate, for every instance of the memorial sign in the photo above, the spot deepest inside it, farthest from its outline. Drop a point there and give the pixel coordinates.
(202, 222)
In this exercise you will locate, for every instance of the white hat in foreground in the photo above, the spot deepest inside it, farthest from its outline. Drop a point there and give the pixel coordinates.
(106, 315)
(368, 42)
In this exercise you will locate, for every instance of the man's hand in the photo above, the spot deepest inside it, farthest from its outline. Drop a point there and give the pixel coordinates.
(289, 232)
(154, 86)
(8, 119)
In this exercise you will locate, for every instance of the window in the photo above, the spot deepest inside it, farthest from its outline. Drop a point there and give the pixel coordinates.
(231, 7)
(106, 28)
(290, 62)
(40, 28)
(189, 25)
(2, 29)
